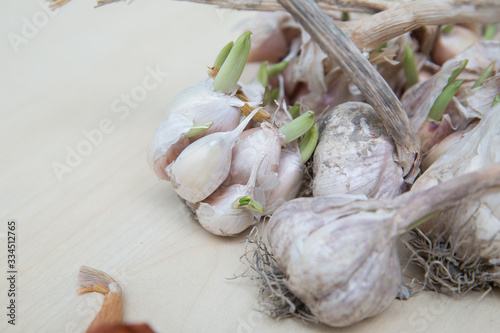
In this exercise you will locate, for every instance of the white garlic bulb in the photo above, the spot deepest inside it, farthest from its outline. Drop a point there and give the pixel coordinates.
(339, 252)
(477, 149)
(355, 155)
(202, 166)
(221, 215)
(340, 261)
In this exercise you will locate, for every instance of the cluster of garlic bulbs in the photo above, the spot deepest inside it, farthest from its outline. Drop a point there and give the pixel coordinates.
(223, 153)
(337, 250)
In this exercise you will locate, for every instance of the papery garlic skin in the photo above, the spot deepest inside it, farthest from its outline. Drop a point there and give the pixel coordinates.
(355, 155)
(341, 263)
(167, 143)
(203, 104)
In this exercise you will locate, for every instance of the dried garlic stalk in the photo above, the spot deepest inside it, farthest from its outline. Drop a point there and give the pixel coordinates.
(94, 280)
(374, 88)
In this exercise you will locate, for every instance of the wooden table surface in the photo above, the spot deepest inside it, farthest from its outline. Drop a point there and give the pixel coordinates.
(82, 92)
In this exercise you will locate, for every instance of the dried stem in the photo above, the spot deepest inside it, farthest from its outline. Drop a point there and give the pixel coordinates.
(367, 6)
(415, 205)
(379, 28)
(344, 52)
(94, 280)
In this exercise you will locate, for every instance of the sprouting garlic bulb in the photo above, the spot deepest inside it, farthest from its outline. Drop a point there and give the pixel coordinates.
(289, 174)
(251, 145)
(476, 150)
(202, 104)
(339, 252)
(203, 165)
(168, 142)
(222, 215)
(355, 155)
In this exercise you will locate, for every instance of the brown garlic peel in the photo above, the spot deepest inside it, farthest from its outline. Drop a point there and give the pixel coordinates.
(94, 280)
(339, 252)
(355, 155)
(122, 328)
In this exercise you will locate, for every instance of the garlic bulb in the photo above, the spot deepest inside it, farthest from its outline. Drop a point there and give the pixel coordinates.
(339, 252)
(477, 149)
(355, 155)
(221, 214)
(202, 166)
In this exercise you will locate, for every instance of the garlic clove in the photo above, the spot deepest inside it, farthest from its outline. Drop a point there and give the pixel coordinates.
(202, 166)
(168, 142)
(251, 145)
(230, 210)
(217, 215)
(290, 173)
(202, 104)
(355, 155)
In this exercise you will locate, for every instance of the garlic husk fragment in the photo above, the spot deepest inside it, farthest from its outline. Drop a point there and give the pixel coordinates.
(216, 213)
(202, 104)
(355, 155)
(202, 166)
(480, 99)
(339, 252)
(94, 280)
(290, 173)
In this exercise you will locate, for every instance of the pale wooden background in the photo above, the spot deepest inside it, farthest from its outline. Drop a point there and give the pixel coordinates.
(111, 212)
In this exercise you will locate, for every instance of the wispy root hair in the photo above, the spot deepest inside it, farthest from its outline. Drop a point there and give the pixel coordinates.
(454, 263)
(275, 299)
